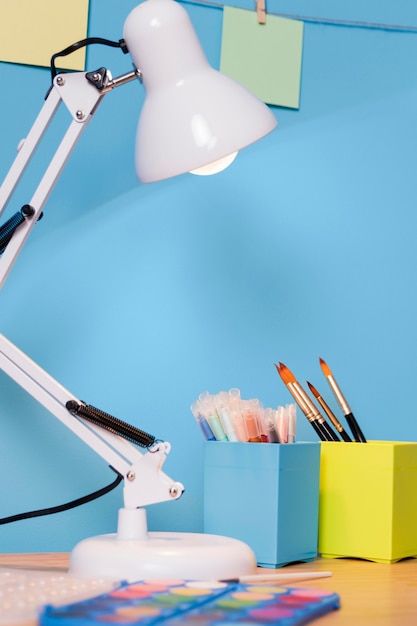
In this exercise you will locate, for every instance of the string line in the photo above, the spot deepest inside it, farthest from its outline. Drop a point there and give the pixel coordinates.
(318, 20)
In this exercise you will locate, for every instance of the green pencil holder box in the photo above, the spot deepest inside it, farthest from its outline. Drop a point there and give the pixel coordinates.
(368, 500)
(266, 495)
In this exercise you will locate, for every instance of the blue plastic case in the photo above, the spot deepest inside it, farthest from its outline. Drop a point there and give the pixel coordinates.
(266, 495)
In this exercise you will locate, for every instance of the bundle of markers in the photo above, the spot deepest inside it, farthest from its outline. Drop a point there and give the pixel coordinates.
(226, 416)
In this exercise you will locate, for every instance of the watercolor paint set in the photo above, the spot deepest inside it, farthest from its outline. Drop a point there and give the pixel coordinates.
(195, 603)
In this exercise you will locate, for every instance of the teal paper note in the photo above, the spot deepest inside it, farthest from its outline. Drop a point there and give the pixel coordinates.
(265, 58)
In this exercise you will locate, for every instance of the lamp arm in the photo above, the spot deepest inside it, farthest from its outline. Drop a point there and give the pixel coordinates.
(81, 92)
(145, 482)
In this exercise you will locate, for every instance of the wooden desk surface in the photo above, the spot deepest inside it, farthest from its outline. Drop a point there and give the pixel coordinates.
(371, 593)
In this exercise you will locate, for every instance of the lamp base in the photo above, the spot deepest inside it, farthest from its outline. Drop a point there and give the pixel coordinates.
(160, 555)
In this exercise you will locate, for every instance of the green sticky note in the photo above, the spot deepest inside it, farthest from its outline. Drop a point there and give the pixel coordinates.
(265, 58)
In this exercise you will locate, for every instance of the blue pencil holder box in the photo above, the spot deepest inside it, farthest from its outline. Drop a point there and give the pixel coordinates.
(266, 495)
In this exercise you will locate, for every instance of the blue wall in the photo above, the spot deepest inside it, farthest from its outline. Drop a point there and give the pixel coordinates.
(138, 297)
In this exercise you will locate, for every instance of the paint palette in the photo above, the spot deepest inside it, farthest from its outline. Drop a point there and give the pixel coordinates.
(195, 603)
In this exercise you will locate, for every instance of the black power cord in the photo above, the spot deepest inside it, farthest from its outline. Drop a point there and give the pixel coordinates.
(82, 44)
(67, 506)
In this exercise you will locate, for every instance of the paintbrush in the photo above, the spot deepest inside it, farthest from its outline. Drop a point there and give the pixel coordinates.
(322, 428)
(350, 418)
(332, 417)
(290, 577)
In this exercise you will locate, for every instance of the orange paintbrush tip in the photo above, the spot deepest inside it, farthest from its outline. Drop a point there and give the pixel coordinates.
(313, 390)
(284, 373)
(290, 378)
(325, 368)
(281, 373)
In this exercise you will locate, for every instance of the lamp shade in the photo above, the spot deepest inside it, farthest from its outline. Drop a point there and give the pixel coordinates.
(192, 115)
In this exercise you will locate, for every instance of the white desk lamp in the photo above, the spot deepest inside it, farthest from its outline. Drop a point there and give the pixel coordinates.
(193, 119)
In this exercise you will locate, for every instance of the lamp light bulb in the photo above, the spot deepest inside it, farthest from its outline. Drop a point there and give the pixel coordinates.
(215, 166)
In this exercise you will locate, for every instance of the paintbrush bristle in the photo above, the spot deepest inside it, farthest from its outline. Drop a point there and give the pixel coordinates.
(290, 378)
(313, 390)
(325, 368)
(281, 373)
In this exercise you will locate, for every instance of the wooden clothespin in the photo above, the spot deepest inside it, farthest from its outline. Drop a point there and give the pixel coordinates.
(260, 11)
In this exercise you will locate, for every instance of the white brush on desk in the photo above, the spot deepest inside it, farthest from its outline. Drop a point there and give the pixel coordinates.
(282, 578)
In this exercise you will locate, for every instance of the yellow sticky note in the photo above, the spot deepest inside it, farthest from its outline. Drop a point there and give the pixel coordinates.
(31, 31)
(265, 58)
